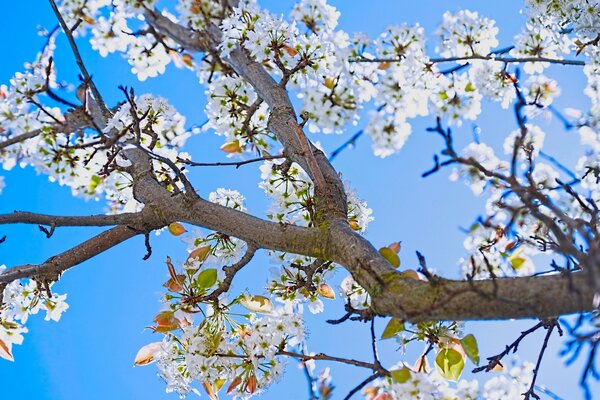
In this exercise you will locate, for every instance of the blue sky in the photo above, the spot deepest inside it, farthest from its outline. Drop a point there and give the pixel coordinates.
(89, 354)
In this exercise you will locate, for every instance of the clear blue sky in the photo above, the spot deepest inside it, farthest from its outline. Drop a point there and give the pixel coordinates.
(89, 354)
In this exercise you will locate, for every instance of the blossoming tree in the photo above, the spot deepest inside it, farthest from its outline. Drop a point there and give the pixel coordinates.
(273, 85)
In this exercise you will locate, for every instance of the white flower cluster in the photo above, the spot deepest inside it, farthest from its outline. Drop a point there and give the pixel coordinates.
(530, 143)
(316, 13)
(220, 350)
(319, 57)
(431, 386)
(19, 300)
(493, 81)
(465, 33)
(493, 253)
(482, 154)
(456, 98)
(581, 15)
(158, 121)
(537, 40)
(195, 13)
(228, 111)
(403, 87)
(81, 12)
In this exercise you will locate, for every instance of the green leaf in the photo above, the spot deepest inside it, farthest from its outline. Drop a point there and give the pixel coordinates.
(450, 364)
(469, 344)
(391, 256)
(393, 327)
(517, 262)
(401, 375)
(206, 278)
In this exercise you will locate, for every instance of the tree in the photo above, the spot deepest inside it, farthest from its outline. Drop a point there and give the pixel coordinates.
(533, 254)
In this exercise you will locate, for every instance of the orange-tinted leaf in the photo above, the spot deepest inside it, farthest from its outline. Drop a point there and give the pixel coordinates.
(5, 351)
(370, 392)
(199, 254)
(165, 322)
(260, 304)
(210, 391)
(232, 147)
(290, 50)
(421, 364)
(175, 285)
(383, 65)
(177, 229)
(395, 247)
(234, 383)
(187, 59)
(171, 268)
(147, 353)
(326, 291)
(251, 384)
(354, 224)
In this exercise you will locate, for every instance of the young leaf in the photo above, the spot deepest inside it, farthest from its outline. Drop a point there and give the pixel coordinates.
(393, 327)
(469, 344)
(326, 291)
(391, 256)
(210, 390)
(165, 322)
(206, 278)
(235, 382)
(260, 304)
(147, 353)
(450, 364)
(177, 229)
(5, 351)
(232, 147)
(199, 254)
(401, 375)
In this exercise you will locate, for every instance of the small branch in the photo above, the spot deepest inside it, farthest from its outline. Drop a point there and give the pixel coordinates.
(86, 76)
(374, 343)
(324, 357)
(236, 164)
(362, 385)
(550, 324)
(495, 360)
(148, 247)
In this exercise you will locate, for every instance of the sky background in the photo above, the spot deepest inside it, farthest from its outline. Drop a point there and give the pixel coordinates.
(89, 353)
